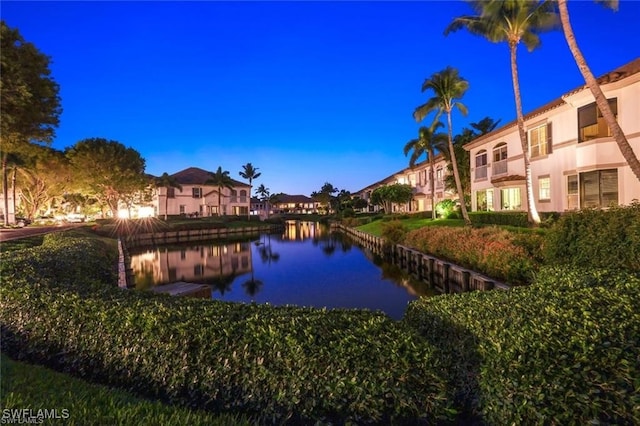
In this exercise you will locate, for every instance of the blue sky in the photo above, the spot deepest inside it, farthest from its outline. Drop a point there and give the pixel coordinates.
(309, 92)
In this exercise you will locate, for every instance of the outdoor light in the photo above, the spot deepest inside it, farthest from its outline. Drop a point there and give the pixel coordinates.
(123, 214)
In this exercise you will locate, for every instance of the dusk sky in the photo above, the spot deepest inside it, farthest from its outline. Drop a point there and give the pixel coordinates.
(309, 92)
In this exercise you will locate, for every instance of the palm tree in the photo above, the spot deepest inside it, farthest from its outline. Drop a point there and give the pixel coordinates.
(263, 192)
(221, 180)
(447, 86)
(592, 83)
(512, 21)
(430, 141)
(250, 173)
(167, 181)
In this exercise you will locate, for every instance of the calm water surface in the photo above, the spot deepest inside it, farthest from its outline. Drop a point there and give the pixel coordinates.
(306, 265)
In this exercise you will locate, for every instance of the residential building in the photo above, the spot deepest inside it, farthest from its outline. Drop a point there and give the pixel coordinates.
(285, 204)
(197, 198)
(575, 162)
(419, 178)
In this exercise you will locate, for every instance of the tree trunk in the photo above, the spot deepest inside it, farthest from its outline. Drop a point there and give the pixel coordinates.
(601, 100)
(5, 189)
(249, 208)
(456, 176)
(13, 190)
(433, 185)
(532, 212)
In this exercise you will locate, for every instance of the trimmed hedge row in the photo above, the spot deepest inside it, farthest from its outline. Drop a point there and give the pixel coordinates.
(564, 350)
(601, 238)
(60, 308)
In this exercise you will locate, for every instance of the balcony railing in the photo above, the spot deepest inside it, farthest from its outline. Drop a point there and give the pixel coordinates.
(499, 168)
(481, 172)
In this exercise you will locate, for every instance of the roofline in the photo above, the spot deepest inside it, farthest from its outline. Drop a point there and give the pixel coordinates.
(625, 71)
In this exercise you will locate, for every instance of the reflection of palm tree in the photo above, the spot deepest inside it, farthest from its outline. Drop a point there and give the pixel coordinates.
(266, 253)
(252, 286)
(222, 283)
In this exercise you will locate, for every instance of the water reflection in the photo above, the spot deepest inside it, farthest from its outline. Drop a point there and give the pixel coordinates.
(308, 264)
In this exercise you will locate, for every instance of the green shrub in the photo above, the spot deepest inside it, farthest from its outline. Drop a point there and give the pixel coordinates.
(25, 385)
(562, 351)
(601, 238)
(499, 218)
(300, 364)
(393, 231)
(493, 251)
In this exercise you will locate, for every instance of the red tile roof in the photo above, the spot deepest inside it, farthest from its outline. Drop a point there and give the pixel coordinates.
(197, 176)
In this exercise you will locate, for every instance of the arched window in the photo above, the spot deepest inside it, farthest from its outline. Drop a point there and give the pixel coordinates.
(481, 165)
(499, 165)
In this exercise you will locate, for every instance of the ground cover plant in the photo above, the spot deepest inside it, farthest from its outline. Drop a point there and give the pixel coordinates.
(564, 350)
(25, 385)
(60, 309)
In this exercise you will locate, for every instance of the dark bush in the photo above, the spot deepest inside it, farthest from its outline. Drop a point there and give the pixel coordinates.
(499, 218)
(600, 238)
(393, 231)
(564, 350)
(304, 365)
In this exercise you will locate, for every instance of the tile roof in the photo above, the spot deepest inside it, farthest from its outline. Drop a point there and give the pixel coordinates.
(197, 176)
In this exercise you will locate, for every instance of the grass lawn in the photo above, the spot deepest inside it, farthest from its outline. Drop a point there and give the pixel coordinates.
(26, 386)
(375, 228)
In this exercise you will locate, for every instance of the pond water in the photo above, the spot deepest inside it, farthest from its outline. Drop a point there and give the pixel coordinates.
(307, 264)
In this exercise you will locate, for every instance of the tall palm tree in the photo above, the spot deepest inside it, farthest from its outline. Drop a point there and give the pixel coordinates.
(447, 87)
(250, 173)
(430, 141)
(592, 83)
(167, 181)
(221, 180)
(263, 192)
(513, 21)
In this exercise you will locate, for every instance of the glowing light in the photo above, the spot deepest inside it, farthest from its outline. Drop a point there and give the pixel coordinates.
(123, 214)
(145, 212)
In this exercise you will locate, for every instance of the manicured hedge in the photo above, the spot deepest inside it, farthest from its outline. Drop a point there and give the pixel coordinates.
(564, 350)
(60, 308)
(602, 238)
(503, 255)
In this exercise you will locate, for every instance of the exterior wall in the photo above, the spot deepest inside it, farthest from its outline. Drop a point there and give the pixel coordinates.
(568, 157)
(418, 178)
(206, 205)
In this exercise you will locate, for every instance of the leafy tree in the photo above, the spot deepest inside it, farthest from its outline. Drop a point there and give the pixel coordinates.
(360, 203)
(512, 21)
(220, 179)
(250, 173)
(592, 83)
(30, 107)
(107, 170)
(428, 141)
(325, 196)
(43, 181)
(447, 86)
(386, 196)
(167, 181)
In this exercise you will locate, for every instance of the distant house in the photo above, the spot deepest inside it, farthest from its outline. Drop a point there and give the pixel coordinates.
(575, 162)
(199, 199)
(286, 204)
(419, 179)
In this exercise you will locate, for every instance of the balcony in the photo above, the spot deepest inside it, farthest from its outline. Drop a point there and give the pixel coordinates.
(498, 168)
(481, 172)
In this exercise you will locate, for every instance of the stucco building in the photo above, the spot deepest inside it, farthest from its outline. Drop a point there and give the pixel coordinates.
(575, 162)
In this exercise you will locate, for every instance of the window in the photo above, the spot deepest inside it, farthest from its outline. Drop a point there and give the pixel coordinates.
(499, 165)
(540, 140)
(481, 165)
(484, 200)
(243, 195)
(511, 199)
(182, 208)
(196, 192)
(544, 188)
(572, 192)
(599, 188)
(171, 192)
(198, 270)
(591, 124)
(439, 178)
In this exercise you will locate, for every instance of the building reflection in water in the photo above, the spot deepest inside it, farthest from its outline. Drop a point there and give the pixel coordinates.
(209, 263)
